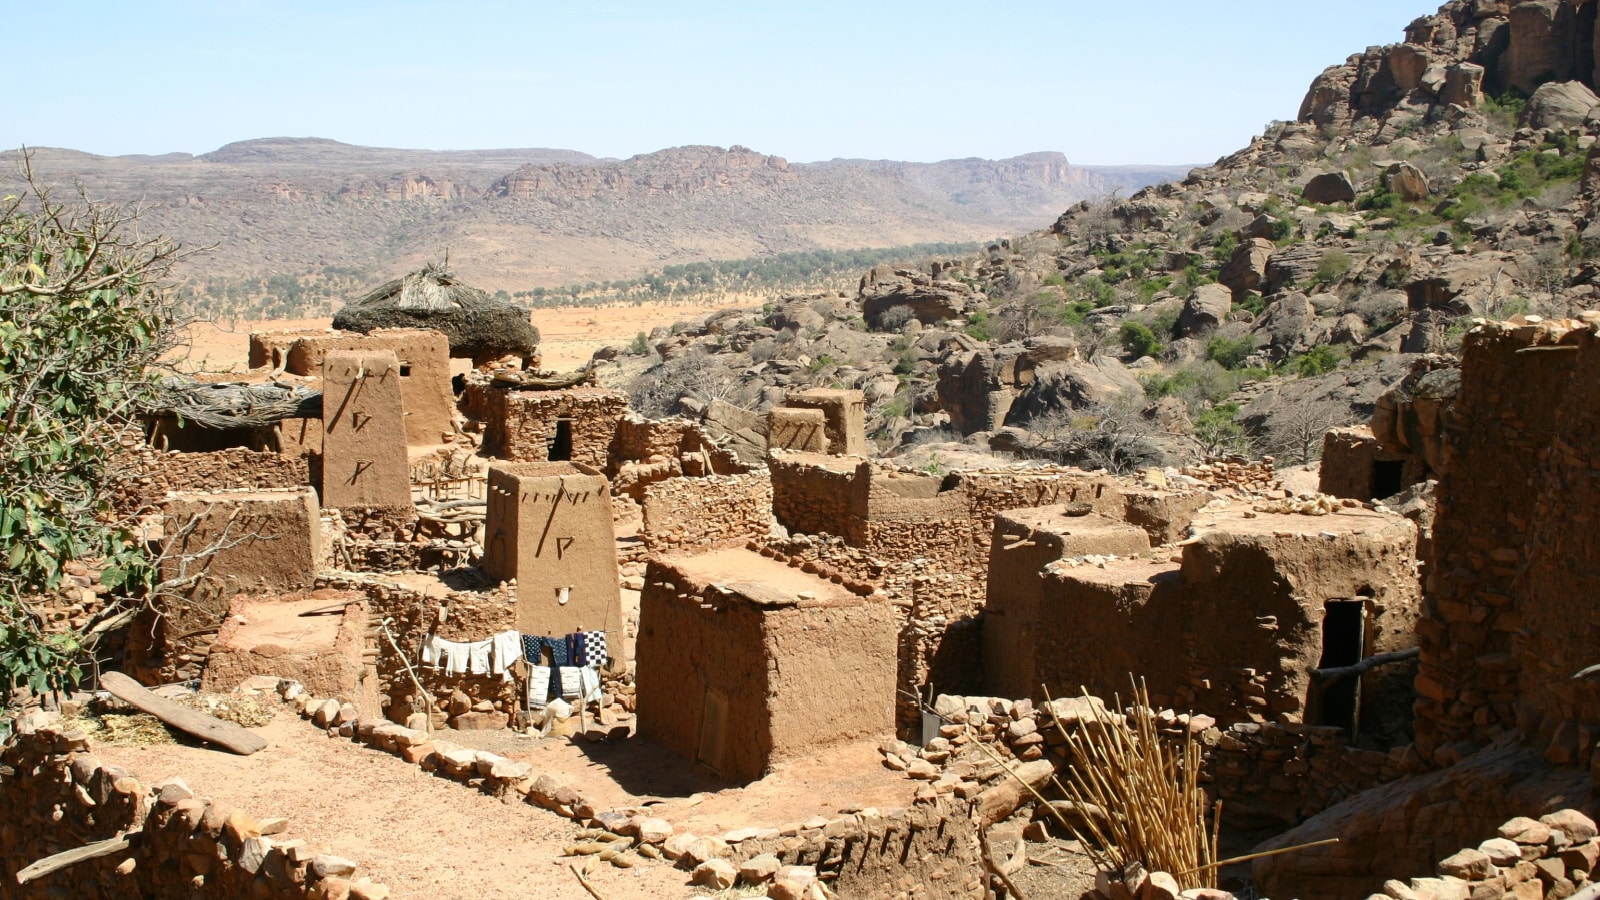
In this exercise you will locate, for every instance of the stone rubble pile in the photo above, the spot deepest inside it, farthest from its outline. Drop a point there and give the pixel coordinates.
(189, 846)
(1550, 858)
(1258, 477)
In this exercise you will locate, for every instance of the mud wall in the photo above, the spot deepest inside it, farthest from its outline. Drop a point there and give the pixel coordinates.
(717, 655)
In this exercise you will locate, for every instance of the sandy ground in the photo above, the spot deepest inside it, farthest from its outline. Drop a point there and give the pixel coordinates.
(423, 836)
(429, 837)
(570, 335)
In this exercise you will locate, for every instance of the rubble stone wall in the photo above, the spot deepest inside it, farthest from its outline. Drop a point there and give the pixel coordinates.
(58, 796)
(707, 513)
(1515, 514)
(467, 616)
(141, 479)
(1274, 775)
(523, 425)
(811, 492)
(929, 852)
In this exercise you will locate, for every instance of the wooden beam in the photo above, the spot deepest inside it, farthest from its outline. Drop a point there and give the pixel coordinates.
(76, 855)
(207, 728)
(1331, 675)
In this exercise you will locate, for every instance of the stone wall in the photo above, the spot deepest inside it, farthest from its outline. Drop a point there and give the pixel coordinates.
(1401, 828)
(1508, 589)
(457, 616)
(707, 513)
(1274, 775)
(527, 426)
(811, 492)
(141, 479)
(58, 796)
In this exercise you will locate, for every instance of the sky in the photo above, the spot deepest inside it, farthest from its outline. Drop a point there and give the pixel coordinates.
(1105, 82)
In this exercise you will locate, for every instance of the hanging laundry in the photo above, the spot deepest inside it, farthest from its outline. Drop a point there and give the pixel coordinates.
(533, 646)
(589, 684)
(507, 650)
(538, 686)
(452, 656)
(575, 648)
(594, 650)
(571, 683)
(479, 654)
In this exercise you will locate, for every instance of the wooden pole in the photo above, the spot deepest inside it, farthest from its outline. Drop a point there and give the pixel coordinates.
(207, 728)
(76, 855)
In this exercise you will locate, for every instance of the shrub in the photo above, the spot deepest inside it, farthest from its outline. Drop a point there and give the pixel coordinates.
(1316, 361)
(1138, 340)
(1229, 353)
(894, 318)
(640, 345)
(85, 316)
(1333, 267)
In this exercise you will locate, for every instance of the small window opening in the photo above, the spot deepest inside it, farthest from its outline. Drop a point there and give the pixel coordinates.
(561, 442)
(1388, 478)
(1344, 626)
(405, 371)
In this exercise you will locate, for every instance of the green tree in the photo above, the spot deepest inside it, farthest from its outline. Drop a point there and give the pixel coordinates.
(84, 321)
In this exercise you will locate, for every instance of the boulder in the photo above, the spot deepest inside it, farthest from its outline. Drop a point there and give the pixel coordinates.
(971, 392)
(1057, 387)
(717, 874)
(1330, 187)
(1205, 309)
(1247, 268)
(1560, 105)
(1285, 321)
(1406, 181)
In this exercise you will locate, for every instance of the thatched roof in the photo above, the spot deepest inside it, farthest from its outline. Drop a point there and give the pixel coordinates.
(477, 324)
(234, 404)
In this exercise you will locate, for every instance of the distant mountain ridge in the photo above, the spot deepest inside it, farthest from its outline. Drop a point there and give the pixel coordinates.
(520, 218)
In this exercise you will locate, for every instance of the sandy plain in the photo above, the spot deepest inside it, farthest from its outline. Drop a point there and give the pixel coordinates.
(569, 335)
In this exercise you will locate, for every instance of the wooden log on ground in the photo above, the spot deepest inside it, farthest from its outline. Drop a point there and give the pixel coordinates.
(76, 855)
(207, 728)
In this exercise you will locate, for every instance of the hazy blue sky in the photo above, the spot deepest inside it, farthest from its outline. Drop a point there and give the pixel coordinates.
(1159, 81)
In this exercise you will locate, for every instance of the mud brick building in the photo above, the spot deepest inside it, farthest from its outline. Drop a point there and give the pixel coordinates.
(745, 661)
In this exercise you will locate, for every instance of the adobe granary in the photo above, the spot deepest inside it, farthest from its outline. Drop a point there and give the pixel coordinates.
(1236, 625)
(745, 661)
(423, 355)
(844, 415)
(477, 326)
(1502, 727)
(549, 529)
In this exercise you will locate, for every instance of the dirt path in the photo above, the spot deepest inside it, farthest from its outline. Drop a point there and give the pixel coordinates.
(423, 836)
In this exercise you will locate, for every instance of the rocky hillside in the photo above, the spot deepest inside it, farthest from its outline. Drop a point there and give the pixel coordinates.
(518, 219)
(1255, 302)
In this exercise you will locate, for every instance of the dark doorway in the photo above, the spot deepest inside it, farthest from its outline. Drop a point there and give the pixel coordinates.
(561, 442)
(1388, 478)
(1344, 626)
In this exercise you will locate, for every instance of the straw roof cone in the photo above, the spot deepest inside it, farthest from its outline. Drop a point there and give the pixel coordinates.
(478, 326)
